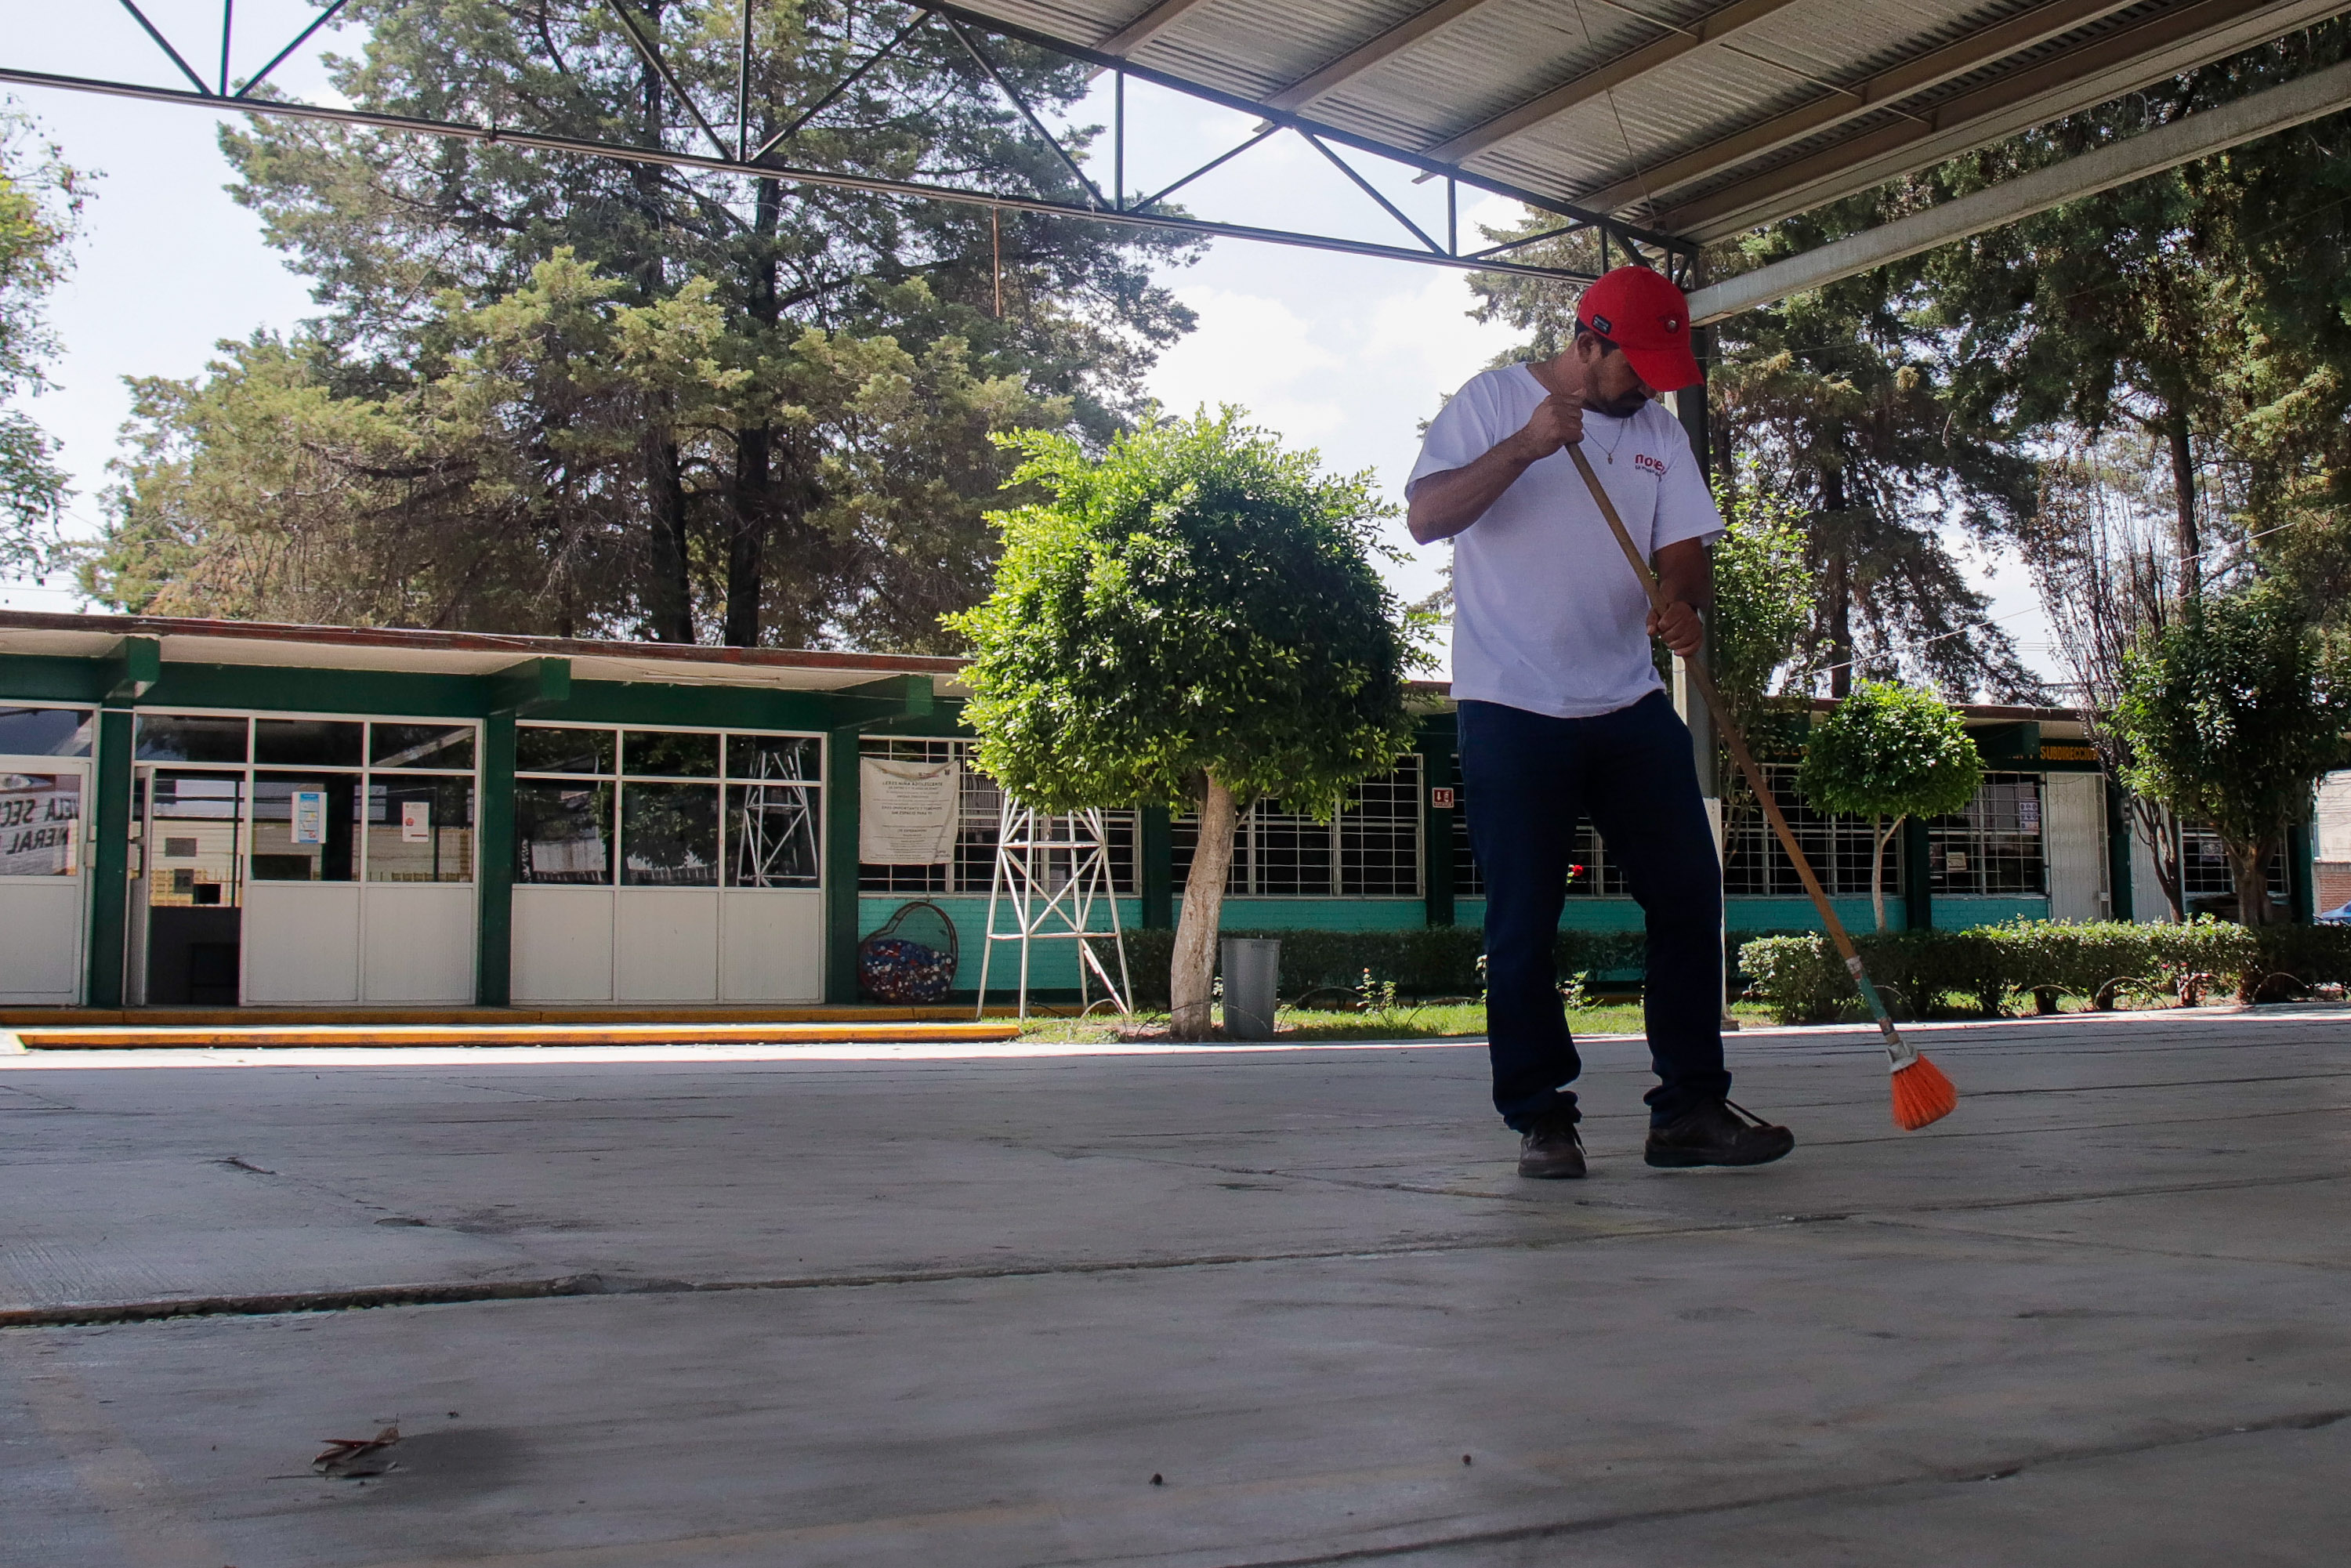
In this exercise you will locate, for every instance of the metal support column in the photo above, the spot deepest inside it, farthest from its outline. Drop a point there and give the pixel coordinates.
(842, 803)
(1917, 882)
(493, 827)
(110, 850)
(1438, 769)
(2122, 903)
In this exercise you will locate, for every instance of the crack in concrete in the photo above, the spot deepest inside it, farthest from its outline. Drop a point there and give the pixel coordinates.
(2299, 1421)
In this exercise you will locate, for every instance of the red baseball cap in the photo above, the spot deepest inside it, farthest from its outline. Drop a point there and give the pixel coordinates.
(1644, 314)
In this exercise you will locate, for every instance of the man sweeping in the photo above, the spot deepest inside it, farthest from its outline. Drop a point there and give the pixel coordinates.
(1562, 715)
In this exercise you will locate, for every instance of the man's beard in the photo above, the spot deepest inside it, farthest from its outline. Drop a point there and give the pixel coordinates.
(1625, 407)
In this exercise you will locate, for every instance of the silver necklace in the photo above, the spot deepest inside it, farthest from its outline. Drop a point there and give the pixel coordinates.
(1610, 451)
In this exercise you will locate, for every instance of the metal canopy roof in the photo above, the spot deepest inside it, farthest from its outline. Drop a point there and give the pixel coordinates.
(1690, 118)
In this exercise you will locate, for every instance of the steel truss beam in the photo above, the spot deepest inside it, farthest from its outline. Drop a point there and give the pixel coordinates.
(2191, 136)
(735, 157)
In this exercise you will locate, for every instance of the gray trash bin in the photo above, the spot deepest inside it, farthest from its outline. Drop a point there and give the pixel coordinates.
(1252, 972)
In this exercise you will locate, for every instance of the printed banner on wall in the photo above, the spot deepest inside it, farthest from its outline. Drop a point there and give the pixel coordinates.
(907, 811)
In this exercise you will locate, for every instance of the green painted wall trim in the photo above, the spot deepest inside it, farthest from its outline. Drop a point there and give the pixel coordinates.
(287, 688)
(718, 707)
(530, 686)
(35, 677)
(493, 827)
(109, 853)
(272, 688)
(1155, 870)
(135, 665)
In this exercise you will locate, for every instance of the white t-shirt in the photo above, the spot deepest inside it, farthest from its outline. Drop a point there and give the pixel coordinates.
(1547, 615)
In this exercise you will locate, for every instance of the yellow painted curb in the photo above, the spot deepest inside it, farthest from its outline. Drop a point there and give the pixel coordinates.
(375, 1035)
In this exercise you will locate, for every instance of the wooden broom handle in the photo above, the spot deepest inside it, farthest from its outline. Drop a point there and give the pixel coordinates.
(1732, 740)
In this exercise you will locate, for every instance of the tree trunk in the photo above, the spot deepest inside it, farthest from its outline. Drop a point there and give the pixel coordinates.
(2183, 500)
(1837, 590)
(1878, 841)
(1203, 906)
(669, 601)
(753, 509)
(2248, 865)
(754, 498)
(2163, 848)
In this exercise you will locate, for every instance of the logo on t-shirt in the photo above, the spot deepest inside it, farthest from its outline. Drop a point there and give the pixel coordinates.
(1652, 465)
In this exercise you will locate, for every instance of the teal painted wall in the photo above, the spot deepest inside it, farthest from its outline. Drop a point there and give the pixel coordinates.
(1321, 914)
(1053, 965)
(1797, 914)
(1958, 913)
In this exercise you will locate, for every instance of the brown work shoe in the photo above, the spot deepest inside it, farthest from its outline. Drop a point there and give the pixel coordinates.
(1551, 1150)
(1722, 1134)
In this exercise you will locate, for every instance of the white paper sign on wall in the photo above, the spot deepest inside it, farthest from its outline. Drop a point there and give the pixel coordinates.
(309, 816)
(907, 811)
(416, 822)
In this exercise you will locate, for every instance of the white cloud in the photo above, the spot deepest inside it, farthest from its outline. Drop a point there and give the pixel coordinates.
(1254, 352)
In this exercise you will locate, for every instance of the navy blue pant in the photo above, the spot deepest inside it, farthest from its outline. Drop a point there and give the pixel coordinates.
(1529, 778)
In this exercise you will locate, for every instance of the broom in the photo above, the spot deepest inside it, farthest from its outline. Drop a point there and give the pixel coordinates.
(1921, 1094)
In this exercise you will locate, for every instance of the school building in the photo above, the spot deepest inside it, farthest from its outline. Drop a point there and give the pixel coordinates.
(198, 813)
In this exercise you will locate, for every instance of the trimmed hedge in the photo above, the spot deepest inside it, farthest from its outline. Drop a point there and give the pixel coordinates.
(1802, 980)
(1428, 961)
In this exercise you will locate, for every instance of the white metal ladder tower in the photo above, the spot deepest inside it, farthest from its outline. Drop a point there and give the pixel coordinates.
(1053, 872)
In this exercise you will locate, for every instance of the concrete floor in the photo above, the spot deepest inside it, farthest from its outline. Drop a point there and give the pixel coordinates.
(898, 1306)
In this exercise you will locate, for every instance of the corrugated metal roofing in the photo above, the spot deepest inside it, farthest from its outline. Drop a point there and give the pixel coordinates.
(1736, 115)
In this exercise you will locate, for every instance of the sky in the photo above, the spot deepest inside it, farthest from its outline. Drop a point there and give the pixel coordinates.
(1345, 354)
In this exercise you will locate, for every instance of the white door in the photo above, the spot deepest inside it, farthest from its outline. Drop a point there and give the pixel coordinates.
(44, 879)
(2074, 844)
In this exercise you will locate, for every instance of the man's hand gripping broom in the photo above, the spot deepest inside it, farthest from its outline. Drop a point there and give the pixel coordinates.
(1921, 1094)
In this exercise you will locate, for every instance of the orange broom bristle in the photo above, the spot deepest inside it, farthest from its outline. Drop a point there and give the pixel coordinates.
(1922, 1095)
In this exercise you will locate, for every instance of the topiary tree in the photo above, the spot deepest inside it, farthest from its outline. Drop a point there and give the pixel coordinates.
(1193, 618)
(2232, 717)
(1887, 752)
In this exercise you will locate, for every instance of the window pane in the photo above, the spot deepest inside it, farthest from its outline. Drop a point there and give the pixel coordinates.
(1754, 862)
(187, 738)
(773, 757)
(668, 754)
(563, 833)
(669, 836)
(771, 836)
(548, 751)
(305, 742)
(43, 732)
(1993, 846)
(192, 859)
(421, 745)
(420, 829)
(1292, 852)
(302, 827)
(40, 824)
(1379, 835)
